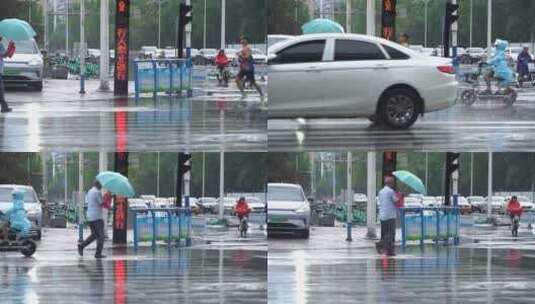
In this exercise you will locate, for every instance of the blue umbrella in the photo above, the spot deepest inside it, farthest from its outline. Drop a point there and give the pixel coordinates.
(318, 26)
(16, 29)
(116, 183)
(411, 180)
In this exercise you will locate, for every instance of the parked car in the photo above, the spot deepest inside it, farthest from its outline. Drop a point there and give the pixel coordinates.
(288, 210)
(256, 204)
(228, 204)
(208, 204)
(464, 205)
(26, 65)
(209, 55)
(413, 202)
(498, 204)
(524, 201)
(476, 54)
(429, 201)
(349, 75)
(32, 205)
(149, 51)
(478, 203)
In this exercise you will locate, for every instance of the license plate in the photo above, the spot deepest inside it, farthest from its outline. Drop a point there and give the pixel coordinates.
(10, 72)
(278, 219)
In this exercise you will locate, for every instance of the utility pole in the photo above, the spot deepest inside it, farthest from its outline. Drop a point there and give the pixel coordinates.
(425, 23)
(104, 45)
(67, 28)
(471, 20)
(45, 17)
(349, 195)
(204, 30)
(223, 23)
(489, 187)
(348, 16)
(81, 200)
(371, 208)
(489, 28)
(160, 23)
(44, 161)
(221, 182)
(370, 17)
(82, 47)
(312, 175)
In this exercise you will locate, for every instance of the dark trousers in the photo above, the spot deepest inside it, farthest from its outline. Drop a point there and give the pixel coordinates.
(388, 235)
(97, 233)
(2, 97)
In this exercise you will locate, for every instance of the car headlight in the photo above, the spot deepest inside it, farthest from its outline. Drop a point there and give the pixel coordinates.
(302, 209)
(35, 63)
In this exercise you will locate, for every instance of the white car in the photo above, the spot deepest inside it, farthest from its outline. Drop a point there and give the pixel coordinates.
(274, 39)
(478, 203)
(149, 51)
(525, 202)
(413, 202)
(429, 201)
(288, 210)
(349, 75)
(26, 65)
(498, 203)
(464, 204)
(208, 203)
(255, 204)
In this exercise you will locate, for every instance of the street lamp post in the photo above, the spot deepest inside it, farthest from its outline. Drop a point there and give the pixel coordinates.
(104, 45)
(223, 22)
(204, 29)
(349, 195)
(489, 185)
(425, 23)
(471, 20)
(67, 28)
(371, 188)
(370, 18)
(159, 23)
(82, 47)
(489, 27)
(348, 16)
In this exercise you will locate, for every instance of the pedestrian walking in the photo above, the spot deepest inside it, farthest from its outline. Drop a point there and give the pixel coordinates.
(95, 219)
(247, 70)
(404, 40)
(388, 202)
(3, 54)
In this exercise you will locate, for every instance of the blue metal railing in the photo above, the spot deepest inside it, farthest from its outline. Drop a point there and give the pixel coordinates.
(171, 225)
(171, 76)
(438, 223)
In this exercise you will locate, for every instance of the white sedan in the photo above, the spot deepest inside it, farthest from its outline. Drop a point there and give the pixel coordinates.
(350, 75)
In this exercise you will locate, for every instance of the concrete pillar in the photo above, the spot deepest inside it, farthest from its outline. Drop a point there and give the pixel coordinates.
(371, 208)
(104, 45)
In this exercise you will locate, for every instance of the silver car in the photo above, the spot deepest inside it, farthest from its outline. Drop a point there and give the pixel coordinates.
(26, 65)
(32, 205)
(288, 210)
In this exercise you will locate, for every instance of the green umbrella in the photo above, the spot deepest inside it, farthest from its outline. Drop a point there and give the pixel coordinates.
(16, 29)
(116, 183)
(411, 180)
(318, 26)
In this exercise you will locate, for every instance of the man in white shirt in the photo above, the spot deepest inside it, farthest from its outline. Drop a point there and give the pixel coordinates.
(387, 216)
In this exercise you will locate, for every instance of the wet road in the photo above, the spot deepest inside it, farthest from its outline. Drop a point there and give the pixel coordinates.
(329, 270)
(209, 123)
(175, 276)
(484, 126)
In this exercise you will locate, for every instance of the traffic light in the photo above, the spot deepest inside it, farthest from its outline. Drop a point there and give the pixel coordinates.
(184, 166)
(389, 163)
(451, 17)
(452, 165)
(184, 18)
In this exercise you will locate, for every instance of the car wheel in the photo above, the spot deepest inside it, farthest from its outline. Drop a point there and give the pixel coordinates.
(399, 108)
(38, 87)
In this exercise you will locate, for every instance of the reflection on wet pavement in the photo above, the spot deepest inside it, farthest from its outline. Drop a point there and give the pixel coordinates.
(432, 274)
(175, 276)
(483, 126)
(163, 124)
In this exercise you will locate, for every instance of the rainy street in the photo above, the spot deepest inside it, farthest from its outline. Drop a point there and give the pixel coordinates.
(214, 119)
(486, 125)
(489, 266)
(225, 269)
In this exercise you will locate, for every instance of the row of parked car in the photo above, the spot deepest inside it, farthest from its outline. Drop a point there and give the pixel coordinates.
(201, 205)
(470, 55)
(202, 56)
(467, 204)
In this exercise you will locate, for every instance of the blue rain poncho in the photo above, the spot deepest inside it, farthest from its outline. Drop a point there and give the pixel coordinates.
(17, 215)
(499, 63)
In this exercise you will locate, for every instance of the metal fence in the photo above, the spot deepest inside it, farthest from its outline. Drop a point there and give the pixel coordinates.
(171, 76)
(437, 224)
(171, 225)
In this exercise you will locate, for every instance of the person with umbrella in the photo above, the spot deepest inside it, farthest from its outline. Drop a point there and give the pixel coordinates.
(388, 201)
(3, 54)
(95, 220)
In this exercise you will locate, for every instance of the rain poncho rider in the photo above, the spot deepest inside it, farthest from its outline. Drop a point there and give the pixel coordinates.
(499, 68)
(16, 215)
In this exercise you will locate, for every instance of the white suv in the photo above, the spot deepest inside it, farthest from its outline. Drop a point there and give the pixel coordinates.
(288, 210)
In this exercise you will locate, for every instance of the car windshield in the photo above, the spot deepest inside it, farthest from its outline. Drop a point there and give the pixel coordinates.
(5, 195)
(283, 193)
(26, 47)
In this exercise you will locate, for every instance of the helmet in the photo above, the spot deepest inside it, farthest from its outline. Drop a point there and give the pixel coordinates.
(501, 44)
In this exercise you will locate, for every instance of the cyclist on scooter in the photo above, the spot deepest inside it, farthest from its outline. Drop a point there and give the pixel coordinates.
(514, 208)
(499, 68)
(18, 219)
(222, 62)
(242, 208)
